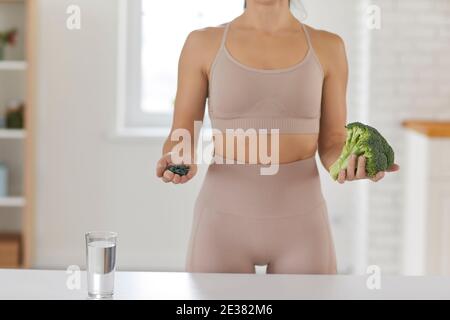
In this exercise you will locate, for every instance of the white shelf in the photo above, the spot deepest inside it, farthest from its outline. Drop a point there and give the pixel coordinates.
(11, 1)
(13, 65)
(12, 202)
(12, 134)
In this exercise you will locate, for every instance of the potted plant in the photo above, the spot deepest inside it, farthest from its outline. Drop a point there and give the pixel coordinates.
(7, 38)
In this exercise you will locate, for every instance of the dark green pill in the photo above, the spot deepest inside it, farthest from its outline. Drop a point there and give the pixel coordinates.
(181, 170)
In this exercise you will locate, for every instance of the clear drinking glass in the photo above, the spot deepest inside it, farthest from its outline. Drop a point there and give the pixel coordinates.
(100, 263)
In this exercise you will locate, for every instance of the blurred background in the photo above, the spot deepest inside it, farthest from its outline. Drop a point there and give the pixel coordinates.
(86, 96)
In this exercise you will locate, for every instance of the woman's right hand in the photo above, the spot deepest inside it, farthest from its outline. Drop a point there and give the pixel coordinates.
(168, 176)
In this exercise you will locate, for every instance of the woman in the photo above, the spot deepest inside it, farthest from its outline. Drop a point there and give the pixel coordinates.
(264, 70)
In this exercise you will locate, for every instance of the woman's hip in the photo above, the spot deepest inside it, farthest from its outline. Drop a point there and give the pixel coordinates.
(243, 189)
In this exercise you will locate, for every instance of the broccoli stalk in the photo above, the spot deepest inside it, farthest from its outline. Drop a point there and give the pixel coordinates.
(363, 140)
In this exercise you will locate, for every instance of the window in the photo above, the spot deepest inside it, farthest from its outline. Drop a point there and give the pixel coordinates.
(152, 34)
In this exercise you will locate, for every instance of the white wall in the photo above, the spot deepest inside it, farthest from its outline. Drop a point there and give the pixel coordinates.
(409, 79)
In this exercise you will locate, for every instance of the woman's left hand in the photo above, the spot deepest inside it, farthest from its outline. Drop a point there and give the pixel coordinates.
(356, 170)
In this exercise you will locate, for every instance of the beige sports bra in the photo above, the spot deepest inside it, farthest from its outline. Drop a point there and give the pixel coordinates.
(288, 99)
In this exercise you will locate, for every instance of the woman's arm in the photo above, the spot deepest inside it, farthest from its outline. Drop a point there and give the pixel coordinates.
(192, 91)
(333, 119)
(333, 134)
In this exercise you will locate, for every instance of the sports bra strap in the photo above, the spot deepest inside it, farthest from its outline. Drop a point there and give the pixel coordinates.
(308, 38)
(225, 33)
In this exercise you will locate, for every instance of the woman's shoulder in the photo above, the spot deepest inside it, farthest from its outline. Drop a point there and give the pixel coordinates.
(202, 45)
(325, 40)
(207, 37)
(329, 48)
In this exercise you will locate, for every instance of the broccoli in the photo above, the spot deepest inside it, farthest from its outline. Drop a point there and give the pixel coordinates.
(364, 140)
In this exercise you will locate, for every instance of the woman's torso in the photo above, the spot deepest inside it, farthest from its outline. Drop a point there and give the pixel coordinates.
(253, 75)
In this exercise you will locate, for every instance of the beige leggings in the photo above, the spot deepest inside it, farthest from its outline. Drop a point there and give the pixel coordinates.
(243, 219)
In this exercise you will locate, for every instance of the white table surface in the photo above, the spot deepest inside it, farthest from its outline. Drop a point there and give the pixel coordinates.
(45, 284)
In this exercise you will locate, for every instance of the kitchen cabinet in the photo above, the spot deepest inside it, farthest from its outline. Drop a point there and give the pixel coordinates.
(17, 145)
(426, 220)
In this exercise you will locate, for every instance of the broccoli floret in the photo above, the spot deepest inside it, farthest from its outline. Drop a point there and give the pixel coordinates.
(364, 140)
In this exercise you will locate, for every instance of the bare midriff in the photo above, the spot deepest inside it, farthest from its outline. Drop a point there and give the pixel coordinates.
(291, 148)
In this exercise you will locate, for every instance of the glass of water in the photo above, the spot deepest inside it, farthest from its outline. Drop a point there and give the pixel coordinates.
(101, 263)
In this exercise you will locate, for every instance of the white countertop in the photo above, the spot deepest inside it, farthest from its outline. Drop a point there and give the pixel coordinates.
(44, 284)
